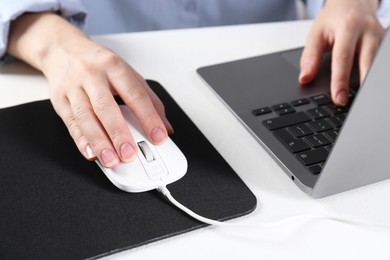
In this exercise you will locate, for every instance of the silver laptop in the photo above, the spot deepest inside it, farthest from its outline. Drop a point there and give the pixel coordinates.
(323, 148)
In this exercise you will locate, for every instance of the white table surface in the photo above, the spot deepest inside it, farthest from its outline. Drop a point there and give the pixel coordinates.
(172, 57)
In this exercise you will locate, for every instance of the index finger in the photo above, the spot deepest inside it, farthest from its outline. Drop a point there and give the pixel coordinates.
(342, 61)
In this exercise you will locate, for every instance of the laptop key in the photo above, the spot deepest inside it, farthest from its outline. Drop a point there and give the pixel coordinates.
(285, 111)
(315, 169)
(286, 120)
(321, 100)
(337, 121)
(261, 111)
(332, 108)
(320, 125)
(318, 113)
(317, 140)
(300, 130)
(300, 102)
(293, 144)
(332, 134)
(281, 106)
(313, 156)
(329, 147)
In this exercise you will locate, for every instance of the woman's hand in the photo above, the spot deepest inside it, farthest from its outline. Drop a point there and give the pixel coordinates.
(83, 76)
(346, 27)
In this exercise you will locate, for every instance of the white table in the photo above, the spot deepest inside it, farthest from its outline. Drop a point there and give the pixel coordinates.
(172, 57)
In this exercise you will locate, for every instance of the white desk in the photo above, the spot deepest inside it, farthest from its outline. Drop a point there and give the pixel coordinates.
(171, 57)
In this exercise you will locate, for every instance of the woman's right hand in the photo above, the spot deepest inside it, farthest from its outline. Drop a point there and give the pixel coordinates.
(83, 78)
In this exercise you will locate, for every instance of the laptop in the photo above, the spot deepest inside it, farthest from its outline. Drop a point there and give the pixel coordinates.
(323, 148)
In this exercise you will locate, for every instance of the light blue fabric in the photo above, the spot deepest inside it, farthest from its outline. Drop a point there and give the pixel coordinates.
(10, 10)
(314, 6)
(135, 15)
(116, 16)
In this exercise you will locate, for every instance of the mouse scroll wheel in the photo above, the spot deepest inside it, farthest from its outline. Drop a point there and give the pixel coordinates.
(146, 151)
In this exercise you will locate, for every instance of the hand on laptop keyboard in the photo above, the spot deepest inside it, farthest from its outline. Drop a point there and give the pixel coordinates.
(345, 27)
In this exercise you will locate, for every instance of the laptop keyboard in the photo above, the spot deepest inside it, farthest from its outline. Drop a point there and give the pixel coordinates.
(308, 133)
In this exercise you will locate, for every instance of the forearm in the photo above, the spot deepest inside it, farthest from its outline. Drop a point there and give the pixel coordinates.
(33, 35)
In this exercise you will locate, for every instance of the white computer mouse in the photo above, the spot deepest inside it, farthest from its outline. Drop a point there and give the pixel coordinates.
(155, 165)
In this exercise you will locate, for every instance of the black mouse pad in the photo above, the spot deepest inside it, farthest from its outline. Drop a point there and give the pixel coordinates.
(54, 204)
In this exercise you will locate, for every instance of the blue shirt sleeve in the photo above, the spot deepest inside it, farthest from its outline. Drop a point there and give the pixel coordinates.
(72, 10)
(384, 9)
(118, 16)
(313, 7)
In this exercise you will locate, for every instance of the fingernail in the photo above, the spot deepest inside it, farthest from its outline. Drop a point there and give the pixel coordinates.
(89, 153)
(342, 98)
(109, 159)
(127, 152)
(158, 135)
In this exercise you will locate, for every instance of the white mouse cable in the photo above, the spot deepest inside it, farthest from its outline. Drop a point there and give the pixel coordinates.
(164, 190)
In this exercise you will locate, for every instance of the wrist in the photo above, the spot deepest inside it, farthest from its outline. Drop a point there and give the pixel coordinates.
(64, 39)
(60, 49)
(35, 36)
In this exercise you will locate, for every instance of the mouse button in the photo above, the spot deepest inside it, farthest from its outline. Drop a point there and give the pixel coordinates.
(172, 156)
(132, 123)
(136, 134)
